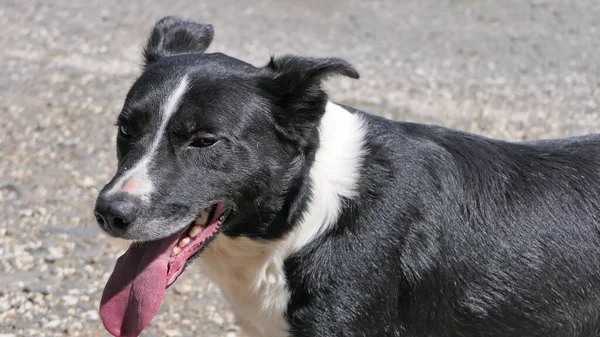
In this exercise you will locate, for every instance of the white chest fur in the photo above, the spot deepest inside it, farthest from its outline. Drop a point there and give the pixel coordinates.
(250, 273)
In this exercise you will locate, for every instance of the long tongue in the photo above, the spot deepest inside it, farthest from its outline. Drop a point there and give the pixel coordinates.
(136, 287)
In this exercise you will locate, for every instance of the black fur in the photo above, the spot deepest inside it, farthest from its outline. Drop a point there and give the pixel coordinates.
(173, 36)
(451, 234)
(458, 235)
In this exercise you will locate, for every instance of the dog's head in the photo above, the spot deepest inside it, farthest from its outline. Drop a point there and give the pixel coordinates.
(206, 143)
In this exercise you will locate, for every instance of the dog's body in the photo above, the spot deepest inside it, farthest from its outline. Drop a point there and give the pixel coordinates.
(443, 234)
(348, 224)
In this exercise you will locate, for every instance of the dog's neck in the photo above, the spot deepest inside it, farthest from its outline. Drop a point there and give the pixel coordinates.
(333, 175)
(249, 272)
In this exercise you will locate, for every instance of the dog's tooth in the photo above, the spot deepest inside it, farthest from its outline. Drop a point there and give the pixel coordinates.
(184, 242)
(202, 218)
(195, 231)
(175, 251)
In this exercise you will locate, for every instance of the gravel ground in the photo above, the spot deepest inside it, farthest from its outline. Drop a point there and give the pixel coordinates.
(508, 69)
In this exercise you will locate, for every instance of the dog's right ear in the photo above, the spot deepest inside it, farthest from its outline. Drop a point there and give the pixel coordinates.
(172, 36)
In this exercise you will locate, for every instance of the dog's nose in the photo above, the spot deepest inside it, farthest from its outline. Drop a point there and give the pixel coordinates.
(115, 212)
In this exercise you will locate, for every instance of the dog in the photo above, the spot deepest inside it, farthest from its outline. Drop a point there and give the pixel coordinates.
(316, 219)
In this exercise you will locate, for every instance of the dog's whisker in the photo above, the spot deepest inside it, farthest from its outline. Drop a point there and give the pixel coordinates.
(87, 196)
(257, 213)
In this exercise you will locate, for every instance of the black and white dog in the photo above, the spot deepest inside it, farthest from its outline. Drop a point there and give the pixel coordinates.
(316, 219)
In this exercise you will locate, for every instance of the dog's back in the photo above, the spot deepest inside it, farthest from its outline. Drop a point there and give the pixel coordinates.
(459, 235)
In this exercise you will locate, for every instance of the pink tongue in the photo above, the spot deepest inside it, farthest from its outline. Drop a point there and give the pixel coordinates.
(136, 287)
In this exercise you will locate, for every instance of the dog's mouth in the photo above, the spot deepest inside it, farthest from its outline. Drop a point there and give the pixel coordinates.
(137, 285)
(195, 238)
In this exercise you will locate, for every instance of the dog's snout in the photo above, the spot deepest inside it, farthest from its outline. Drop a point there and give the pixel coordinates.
(115, 212)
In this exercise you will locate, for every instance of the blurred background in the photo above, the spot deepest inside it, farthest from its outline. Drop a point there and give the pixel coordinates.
(515, 70)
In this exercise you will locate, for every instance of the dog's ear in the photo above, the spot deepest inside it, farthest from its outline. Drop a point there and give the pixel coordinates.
(172, 35)
(294, 83)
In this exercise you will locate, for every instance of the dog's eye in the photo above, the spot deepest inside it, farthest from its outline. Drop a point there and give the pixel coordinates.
(124, 131)
(203, 141)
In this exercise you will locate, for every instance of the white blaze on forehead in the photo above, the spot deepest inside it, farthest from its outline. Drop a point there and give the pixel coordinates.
(137, 180)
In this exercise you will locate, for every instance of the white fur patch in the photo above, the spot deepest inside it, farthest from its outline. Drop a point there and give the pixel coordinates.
(250, 273)
(143, 186)
(334, 173)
